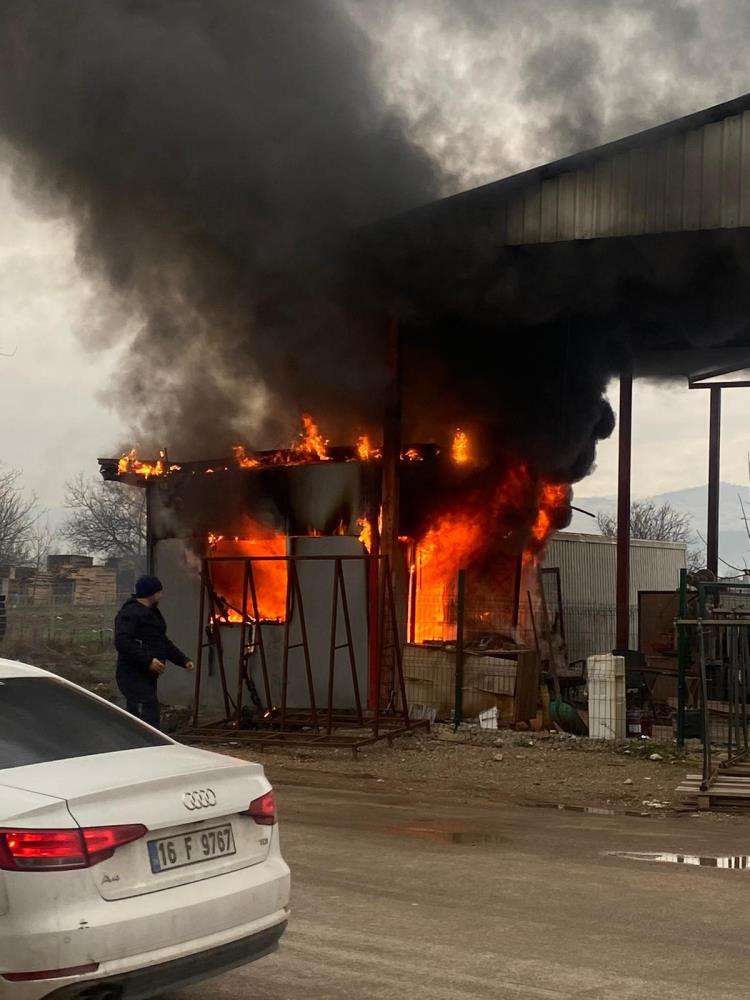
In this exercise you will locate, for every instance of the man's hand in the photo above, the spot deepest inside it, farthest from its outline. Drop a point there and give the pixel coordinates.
(156, 666)
(189, 666)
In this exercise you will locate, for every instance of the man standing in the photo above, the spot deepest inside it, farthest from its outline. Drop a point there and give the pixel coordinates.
(143, 649)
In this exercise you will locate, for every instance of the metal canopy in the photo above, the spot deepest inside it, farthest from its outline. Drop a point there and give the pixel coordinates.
(646, 238)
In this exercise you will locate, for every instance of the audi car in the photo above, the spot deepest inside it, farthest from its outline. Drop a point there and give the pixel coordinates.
(129, 863)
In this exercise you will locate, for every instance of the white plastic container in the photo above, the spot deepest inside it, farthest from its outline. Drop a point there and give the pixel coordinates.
(607, 710)
(488, 719)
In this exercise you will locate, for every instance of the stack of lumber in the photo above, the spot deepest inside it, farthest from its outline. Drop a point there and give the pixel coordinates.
(731, 787)
(94, 585)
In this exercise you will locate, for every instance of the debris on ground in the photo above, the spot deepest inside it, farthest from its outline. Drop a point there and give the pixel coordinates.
(552, 769)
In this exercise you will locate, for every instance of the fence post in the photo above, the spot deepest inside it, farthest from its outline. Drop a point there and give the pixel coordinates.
(458, 706)
(683, 654)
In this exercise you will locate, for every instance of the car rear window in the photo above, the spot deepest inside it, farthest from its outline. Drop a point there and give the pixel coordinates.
(43, 719)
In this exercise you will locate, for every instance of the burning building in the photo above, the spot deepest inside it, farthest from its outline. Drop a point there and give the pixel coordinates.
(245, 191)
(296, 513)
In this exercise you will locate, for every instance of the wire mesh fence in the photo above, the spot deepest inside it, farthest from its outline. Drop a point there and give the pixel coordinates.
(89, 627)
(60, 636)
(76, 642)
(493, 634)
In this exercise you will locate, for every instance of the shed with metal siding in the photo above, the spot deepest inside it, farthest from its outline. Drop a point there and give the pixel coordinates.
(587, 565)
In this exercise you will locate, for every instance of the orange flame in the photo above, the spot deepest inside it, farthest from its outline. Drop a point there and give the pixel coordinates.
(310, 446)
(541, 527)
(364, 448)
(270, 575)
(242, 458)
(448, 545)
(311, 443)
(365, 534)
(554, 497)
(131, 464)
(495, 524)
(460, 452)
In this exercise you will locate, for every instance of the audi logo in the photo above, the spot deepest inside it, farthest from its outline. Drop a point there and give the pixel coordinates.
(202, 798)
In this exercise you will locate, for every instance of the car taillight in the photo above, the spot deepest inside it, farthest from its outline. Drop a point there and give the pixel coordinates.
(62, 850)
(263, 810)
(102, 841)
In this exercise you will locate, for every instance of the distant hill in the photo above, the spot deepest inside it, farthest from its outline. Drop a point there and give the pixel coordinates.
(734, 546)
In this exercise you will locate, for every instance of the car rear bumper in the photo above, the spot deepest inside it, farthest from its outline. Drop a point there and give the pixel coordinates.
(155, 979)
(70, 930)
(144, 933)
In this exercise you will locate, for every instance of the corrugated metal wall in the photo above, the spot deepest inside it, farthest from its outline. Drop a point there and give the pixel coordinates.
(587, 565)
(699, 179)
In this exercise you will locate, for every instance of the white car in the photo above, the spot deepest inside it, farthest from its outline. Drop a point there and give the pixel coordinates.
(129, 864)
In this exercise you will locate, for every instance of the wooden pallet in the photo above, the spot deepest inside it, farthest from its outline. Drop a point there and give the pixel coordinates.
(731, 787)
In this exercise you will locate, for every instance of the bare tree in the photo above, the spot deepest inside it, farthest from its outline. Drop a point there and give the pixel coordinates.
(18, 518)
(648, 520)
(658, 522)
(40, 546)
(106, 519)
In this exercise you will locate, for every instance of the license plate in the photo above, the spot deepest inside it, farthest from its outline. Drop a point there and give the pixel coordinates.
(191, 848)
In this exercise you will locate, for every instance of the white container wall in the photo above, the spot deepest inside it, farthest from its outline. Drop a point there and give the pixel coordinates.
(606, 683)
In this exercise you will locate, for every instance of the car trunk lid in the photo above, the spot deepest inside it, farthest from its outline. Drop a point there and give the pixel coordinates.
(194, 805)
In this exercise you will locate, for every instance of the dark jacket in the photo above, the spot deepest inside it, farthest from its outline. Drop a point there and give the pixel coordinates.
(140, 637)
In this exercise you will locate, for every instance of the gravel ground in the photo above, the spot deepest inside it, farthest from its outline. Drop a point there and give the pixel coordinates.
(502, 766)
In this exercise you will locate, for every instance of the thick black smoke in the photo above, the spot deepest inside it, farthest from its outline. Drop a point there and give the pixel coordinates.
(218, 155)
(214, 154)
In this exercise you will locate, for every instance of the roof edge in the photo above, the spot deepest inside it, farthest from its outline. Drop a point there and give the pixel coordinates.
(573, 161)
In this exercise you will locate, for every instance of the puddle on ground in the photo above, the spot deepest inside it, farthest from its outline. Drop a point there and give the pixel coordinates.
(589, 810)
(734, 861)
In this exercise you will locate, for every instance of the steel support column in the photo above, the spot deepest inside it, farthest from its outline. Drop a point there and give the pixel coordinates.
(150, 563)
(391, 447)
(390, 494)
(622, 629)
(714, 479)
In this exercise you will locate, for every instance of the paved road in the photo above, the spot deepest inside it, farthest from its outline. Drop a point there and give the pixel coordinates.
(394, 899)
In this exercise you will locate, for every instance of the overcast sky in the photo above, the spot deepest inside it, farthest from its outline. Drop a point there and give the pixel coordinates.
(54, 421)
(473, 101)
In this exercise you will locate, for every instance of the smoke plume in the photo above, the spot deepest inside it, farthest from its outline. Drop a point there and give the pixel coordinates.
(216, 156)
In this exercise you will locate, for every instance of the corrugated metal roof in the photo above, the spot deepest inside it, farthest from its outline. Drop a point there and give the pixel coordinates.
(687, 174)
(694, 178)
(522, 252)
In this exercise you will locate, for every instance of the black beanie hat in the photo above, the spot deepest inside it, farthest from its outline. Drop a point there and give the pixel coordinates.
(147, 586)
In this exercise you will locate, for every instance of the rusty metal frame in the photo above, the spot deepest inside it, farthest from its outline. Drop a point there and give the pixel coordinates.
(731, 636)
(303, 727)
(268, 739)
